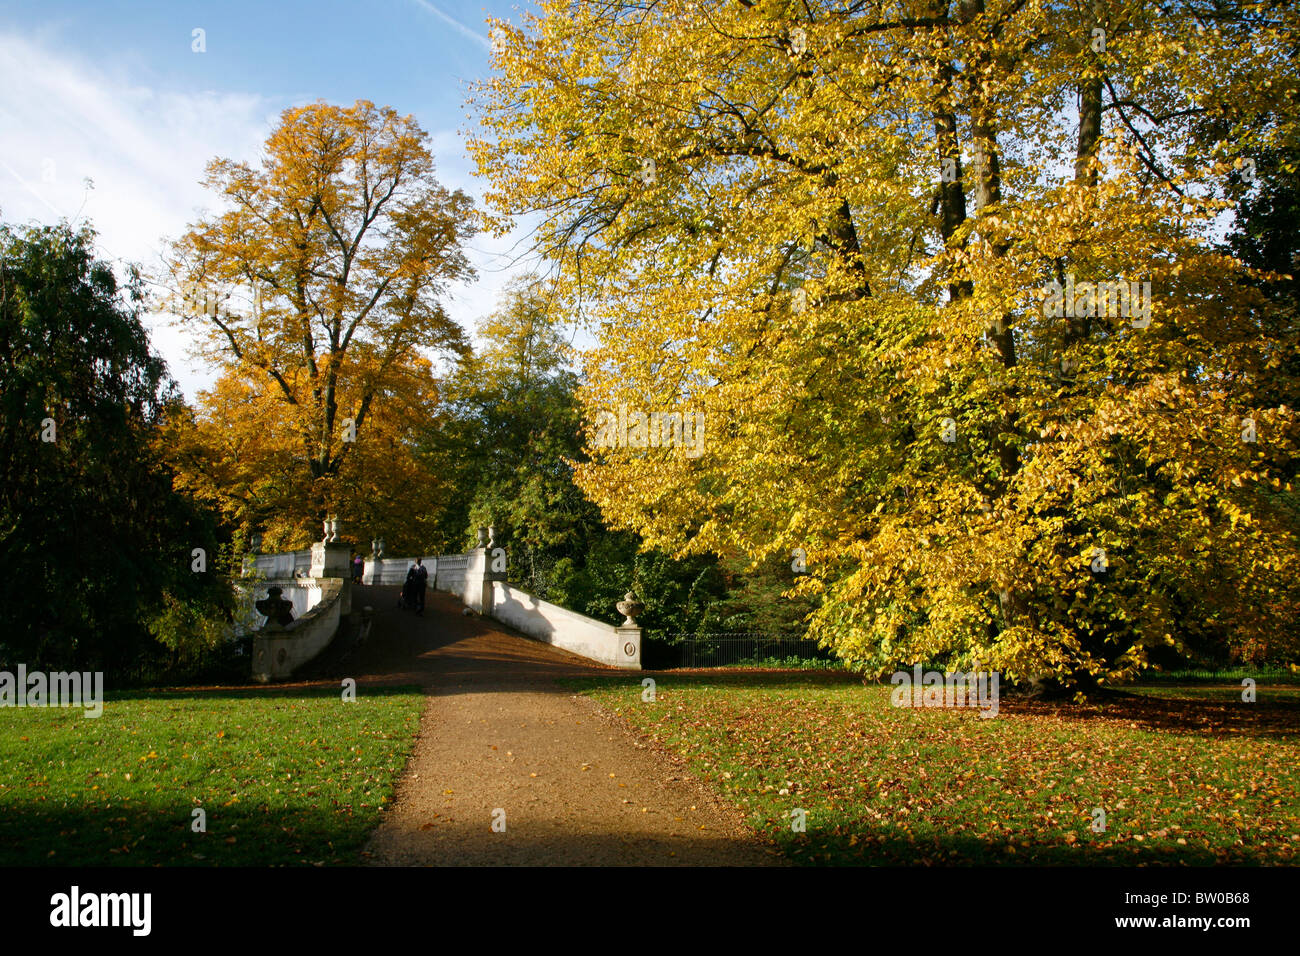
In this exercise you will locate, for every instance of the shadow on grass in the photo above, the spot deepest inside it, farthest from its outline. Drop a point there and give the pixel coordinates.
(878, 846)
(1191, 715)
(262, 836)
(160, 834)
(314, 690)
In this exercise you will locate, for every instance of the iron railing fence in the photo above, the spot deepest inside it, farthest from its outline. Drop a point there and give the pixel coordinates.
(1233, 673)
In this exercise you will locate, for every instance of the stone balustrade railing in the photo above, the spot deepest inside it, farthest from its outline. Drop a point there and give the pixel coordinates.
(275, 567)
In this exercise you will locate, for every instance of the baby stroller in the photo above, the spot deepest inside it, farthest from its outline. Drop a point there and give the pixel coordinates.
(406, 599)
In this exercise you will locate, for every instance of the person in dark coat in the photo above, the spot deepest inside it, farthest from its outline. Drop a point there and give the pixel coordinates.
(408, 590)
(421, 584)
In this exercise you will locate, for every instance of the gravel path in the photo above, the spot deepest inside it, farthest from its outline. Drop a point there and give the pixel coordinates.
(501, 740)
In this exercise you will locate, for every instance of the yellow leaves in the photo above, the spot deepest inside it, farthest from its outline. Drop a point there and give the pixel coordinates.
(820, 415)
(351, 238)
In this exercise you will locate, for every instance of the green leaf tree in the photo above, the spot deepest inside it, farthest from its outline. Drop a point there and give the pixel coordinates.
(93, 539)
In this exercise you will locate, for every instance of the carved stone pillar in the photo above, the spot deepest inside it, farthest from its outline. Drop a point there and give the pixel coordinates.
(629, 632)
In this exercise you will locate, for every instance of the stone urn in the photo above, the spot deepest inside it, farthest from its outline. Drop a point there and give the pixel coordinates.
(629, 607)
(278, 610)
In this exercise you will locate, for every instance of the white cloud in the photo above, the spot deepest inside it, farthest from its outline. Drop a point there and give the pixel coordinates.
(453, 23)
(65, 121)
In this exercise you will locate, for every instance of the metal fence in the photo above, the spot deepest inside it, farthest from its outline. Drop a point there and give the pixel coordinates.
(1218, 675)
(734, 649)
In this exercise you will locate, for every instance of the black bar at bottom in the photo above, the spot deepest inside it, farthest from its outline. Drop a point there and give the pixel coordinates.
(308, 906)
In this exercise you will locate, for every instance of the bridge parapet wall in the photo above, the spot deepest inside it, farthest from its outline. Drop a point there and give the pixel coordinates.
(552, 624)
(391, 572)
(316, 584)
(279, 566)
(278, 650)
(471, 579)
(451, 570)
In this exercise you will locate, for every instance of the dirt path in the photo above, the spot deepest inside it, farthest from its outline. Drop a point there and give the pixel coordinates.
(500, 739)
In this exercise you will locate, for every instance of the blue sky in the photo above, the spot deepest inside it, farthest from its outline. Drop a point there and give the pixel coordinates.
(114, 92)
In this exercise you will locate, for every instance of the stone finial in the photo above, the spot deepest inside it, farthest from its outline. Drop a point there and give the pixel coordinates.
(629, 607)
(255, 542)
(276, 609)
(482, 537)
(379, 551)
(492, 536)
(332, 528)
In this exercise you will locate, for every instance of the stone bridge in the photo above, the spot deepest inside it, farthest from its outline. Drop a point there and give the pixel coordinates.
(308, 603)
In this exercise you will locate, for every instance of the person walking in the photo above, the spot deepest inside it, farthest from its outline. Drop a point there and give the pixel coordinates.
(421, 584)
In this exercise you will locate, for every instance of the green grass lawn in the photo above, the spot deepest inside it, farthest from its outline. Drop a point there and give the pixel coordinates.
(284, 777)
(1193, 780)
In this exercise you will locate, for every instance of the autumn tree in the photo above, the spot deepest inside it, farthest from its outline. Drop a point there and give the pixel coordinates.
(943, 277)
(317, 287)
(233, 453)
